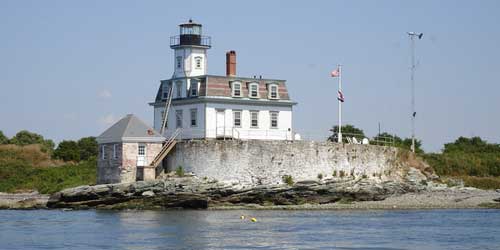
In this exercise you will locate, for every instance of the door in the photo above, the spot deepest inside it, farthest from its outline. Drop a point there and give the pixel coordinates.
(141, 155)
(220, 123)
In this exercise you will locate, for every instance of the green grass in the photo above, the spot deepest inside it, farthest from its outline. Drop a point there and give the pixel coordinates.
(22, 177)
(179, 171)
(27, 168)
(288, 179)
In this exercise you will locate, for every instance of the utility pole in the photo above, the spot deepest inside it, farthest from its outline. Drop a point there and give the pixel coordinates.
(379, 137)
(412, 36)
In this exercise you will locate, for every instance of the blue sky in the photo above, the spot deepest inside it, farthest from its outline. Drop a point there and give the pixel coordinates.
(68, 69)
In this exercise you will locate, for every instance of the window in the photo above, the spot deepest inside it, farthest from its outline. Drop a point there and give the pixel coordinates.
(194, 88)
(115, 155)
(179, 62)
(194, 115)
(273, 91)
(165, 90)
(178, 86)
(237, 118)
(103, 152)
(141, 150)
(274, 119)
(178, 118)
(236, 89)
(254, 90)
(254, 116)
(197, 61)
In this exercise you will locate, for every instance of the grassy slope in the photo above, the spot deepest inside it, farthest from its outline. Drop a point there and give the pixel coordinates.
(24, 169)
(479, 170)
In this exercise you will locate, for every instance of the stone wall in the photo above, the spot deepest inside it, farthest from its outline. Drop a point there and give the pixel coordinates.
(266, 162)
(108, 168)
(123, 168)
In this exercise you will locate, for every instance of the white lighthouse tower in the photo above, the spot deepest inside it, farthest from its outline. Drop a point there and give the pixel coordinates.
(190, 57)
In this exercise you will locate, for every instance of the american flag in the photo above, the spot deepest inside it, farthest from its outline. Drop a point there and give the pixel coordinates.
(341, 96)
(335, 73)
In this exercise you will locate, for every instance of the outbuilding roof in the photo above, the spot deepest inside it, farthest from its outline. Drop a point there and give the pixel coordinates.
(130, 129)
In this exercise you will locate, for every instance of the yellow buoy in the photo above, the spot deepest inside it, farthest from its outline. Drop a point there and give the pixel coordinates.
(242, 217)
(253, 220)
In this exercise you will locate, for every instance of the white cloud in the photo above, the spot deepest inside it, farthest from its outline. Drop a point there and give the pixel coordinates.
(104, 94)
(108, 119)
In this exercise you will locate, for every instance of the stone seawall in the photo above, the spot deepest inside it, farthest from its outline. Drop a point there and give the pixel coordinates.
(266, 162)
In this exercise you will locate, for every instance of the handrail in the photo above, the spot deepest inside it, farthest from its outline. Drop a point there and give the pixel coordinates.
(167, 147)
(167, 109)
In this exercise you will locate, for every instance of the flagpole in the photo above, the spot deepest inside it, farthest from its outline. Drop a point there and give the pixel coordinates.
(340, 104)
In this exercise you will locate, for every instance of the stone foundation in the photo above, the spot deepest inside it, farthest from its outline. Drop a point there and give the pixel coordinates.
(266, 162)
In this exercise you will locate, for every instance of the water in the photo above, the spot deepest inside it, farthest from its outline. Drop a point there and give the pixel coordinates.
(414, 229)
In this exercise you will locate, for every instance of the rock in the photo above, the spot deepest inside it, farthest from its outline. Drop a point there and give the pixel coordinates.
(194, 193)
(497, 199)
(498, 190)
(148, 193)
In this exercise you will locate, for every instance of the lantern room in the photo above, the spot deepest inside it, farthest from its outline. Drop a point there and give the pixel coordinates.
(190, 34)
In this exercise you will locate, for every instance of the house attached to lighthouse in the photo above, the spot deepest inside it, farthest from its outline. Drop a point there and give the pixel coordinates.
(207, 106)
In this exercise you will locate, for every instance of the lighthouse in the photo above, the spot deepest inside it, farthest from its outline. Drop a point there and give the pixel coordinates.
(190, 50)
(206, 106)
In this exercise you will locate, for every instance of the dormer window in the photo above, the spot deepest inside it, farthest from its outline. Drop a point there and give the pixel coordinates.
(178, 86)
(194, 90)
(165, 88)
(179, 62)
(253, 90)
(236, 88)
(197, 61)
(273, 91)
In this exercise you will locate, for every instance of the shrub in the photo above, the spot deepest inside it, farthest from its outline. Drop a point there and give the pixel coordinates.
(320, 176)
(334, 173)
(467, 156)
(3, 138)
(24, 137)
(364, 176)
(31, 155)
(288, 179)
(481, 182)
(179, 171)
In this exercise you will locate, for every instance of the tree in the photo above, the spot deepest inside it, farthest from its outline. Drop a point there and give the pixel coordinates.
(24, 137)
(3, 138)
(386, 139)
(87, 147)
(67, 151)
(471, 145)
(347, 131)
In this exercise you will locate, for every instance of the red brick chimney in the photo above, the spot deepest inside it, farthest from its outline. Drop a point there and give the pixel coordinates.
(231, 63)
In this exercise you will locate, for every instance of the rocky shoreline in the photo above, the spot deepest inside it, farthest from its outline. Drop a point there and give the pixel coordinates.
(32, 200)
(195, 193)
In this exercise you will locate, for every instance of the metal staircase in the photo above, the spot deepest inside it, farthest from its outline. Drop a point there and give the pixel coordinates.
(170, 143)
(165, 149)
